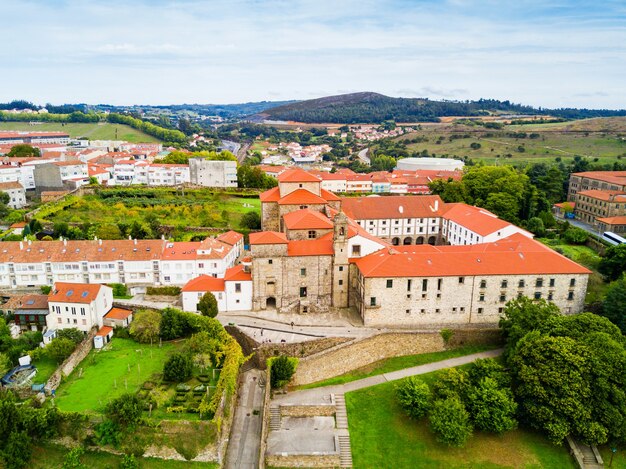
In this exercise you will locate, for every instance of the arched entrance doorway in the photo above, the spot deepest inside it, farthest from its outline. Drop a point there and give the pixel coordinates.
(432, 240)
(270, 303)
(407, 241)
(419, 240)
(395, 241)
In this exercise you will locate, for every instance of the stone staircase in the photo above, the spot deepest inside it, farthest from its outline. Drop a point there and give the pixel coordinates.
(342, 414)
(587, 457)
(345, 454)
(275, 419)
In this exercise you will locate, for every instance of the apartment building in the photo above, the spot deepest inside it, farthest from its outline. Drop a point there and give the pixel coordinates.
(16, 193)
(78, 305)
(128, 172)
(596, 180)
(213, 173)
(61, 174)
(33, 138)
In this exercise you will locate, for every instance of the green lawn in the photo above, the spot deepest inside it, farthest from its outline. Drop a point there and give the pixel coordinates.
(51, 456)
(382, 436)
(619, 459)
(45, 367)
(122, 366)
(95, 131)
(399, 363)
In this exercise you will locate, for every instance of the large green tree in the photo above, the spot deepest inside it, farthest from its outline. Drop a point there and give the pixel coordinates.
(614, 305)
(208, 305)
(450, 421)
(23, 150)
(613, 264)
(414, 396)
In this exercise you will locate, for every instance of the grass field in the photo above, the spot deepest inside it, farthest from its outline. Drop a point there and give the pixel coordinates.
(196, 207)
(96, 131)
(51, 456)
(562, 140)
(382, 436)
(45, 368)
(106, 373)
(399, 363)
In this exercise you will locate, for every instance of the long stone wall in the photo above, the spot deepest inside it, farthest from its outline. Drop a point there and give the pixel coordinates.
(265, 423)
(71, 362)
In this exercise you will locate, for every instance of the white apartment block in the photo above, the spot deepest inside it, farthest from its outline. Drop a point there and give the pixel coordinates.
(33, 138)
(129, 172)
(213, 173)
(16, 192)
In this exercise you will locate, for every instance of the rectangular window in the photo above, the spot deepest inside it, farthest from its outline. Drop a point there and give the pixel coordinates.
(521, 284)
(312, 234)
(302, 292)
(550, 295)
(408, 311)
(500, 310)
(551, 282)
(373, 301)
(270, 261)
(82, 311)
(502, 297)
(572, 282)
(480, 311)
(389, 283)
(481, 297)
(238, 288)
(461, 279)
(340, 282)
(356, 250)
(340, 268)
(504, 284)
(424, 284)
(570, 296)
(539, 283)
(439, 283)
(483, 284)
(537, 295)
(302, 272)
(408, 285)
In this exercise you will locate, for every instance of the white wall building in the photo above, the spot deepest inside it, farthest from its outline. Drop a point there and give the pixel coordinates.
(213, 173)
(77, 305)
(16, 192)
(233, 292)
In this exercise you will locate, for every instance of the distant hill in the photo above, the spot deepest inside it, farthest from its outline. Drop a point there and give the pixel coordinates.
(370, 107)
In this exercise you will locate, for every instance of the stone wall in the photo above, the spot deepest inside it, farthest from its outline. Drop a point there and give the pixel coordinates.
(295, 410)
(303, 460)
(359, 353)
(265, 415)
(71, 362)
(266, 350)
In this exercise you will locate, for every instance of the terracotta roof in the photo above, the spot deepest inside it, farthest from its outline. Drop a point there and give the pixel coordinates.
(475, 219)
(104, 331)
(515, 255)
(328, 195)
(301, 196)
(237, 274)
(27, 302)
(312, 247)
(562, 204)
(181, 251)
(398, 206)
(211, 248)
(306, 219)
(271, 195)
(10, 185)
(230, 237)
(612, 177)
(118, 313)
(18, 224)
(613, 220)
(297, 175)
(268, 237)
(204, 283)
(74, 292)
(607, 196)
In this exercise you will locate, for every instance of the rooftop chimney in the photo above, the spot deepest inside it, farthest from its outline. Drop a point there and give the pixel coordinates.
(135, 241)
(21, 245)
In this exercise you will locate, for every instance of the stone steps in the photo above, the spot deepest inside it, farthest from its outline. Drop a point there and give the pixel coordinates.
(345, 454)
(341, 415)
(275, 419)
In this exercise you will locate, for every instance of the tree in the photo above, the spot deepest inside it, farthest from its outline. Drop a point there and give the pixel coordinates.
(72, 459)
(614, 304)
(383, 163)
(575, 235)
(208, 305)
(613, 264)
(414, 397)
(451, 382)
(72, 333)
(17, 450)
(24, 150)
(492, 408)
(60, 348)
(124, 410)
(178, 368)
(450, 421)
(282, 369)
(535, 226)
(5, 364)
(146, 326)
(251, 220)
(173, 324)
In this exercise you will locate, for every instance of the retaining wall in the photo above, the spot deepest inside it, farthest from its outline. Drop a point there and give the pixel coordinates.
(71, 362)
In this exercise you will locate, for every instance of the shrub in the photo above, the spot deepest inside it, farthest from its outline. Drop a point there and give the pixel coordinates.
(108, 433)
(72, 459)
(163, 291)
(129, 462)
(450, 422)
(208, 305)
(414, 397)
(446, 335)
(251, 220)
(60, 348)
(282, 369)
(72, 334)
(178, 368)
(119, 290)
(124, 410)
(491, 407)
(173, 324)
(451, 383)
(45, 289)
(575, 235)
(146, 326)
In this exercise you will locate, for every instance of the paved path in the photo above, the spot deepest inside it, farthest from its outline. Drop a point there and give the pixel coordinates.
(310, 396)
(245, 434)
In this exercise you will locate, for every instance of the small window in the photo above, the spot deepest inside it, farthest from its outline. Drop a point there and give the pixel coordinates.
(481, 297)
(340, 282)
(483, 284)
(408, 311)
(312, 234)
(438, 296)
(461, 279)
(303, 292)
(305, 309)
(389, 283)
(373, 301)
(570, 296)
(340, 268)
(572, 282)
(437, 310)
(502, 298)
(422, 311)
(550, 296)
(500, 310)
(439, 283)
(454, 310)
(521, 284)
(270, 261)
(462, 309)
(551, 282)
(408, 297)
(356, 250)
(504, 284)
(238, 288)
(539, 283)
(480, 311)
(537, 295)
(424, 284)
(302, 272)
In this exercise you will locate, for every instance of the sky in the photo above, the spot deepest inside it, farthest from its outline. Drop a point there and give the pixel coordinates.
(546, 53)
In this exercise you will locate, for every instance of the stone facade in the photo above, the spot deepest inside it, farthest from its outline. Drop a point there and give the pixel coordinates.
(303, 460)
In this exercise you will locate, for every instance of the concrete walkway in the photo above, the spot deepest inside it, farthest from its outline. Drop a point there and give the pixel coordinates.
(317, 395)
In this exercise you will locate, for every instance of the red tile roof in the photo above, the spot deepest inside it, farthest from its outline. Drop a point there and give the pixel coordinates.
(306, 219)
(607, 196)
(297, 175)
(204, 283)
(300, 197)
(104, 331)
(237, 274)
(613, 220)
(230, 237)
(30, 302)
(397, 206)
(4, 186)
(118, 313)
(613, 177)
(271, 195)
(313, 247)
(74, 292)
(475, 219)
(268, 237)
(515, 255)
(329, 196)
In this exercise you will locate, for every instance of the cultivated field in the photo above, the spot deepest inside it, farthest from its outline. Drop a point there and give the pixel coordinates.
(602, 140)
(99, 131)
